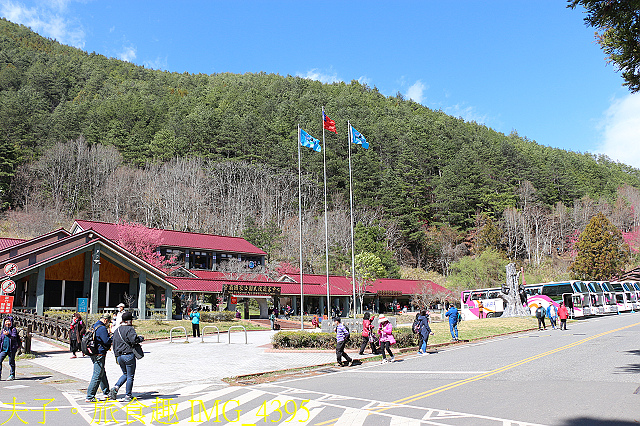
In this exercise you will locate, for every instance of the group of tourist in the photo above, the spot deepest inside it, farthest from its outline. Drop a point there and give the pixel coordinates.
(553, 314)
(383, 336)
(123, 339)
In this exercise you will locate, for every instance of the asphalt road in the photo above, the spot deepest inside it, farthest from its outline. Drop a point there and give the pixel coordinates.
(587, 375)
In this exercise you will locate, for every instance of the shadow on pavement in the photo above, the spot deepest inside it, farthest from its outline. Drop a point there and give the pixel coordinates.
(634, 352)
(589, 421)
(629, 368)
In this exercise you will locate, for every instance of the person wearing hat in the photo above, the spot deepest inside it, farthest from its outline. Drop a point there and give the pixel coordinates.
(385, 331)
(99, 376)
(118, 319)
(124, 339)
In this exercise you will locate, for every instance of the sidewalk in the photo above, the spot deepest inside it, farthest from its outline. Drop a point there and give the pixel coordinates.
(181, 363)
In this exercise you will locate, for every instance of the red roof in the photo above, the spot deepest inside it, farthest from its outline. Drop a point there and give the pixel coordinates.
(9, 242)
(190, 240)
(218, 275)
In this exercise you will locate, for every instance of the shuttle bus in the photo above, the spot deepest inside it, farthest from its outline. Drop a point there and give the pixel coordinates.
(622, 295)
(492, 304)
(604, 301)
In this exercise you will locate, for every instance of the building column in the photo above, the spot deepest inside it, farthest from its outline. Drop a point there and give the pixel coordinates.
(294, 303)
(40, 291)
(107, 294)
(158, 298)
(64, 285)
(264, 308)
(31, 290)
(86, 288)
(168, 302)
(133, 289)
(321, 305)
(142, 296)
(95, 280)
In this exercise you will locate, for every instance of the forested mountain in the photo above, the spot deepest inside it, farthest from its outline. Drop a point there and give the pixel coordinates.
(423, 167)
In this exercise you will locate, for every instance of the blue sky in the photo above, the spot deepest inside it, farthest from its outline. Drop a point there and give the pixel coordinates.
(528, 65)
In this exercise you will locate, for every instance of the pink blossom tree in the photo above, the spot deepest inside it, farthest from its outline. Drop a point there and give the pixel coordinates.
(143, 242)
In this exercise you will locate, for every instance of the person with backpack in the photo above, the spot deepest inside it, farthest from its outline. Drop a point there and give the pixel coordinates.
(424, 331)
(76, 332)
(367, 335)
(453, 315)
(415, 327)
(99, 338)
(9, 345)
(124, 340)
(342, 336)
(540, 312)
(385, 331)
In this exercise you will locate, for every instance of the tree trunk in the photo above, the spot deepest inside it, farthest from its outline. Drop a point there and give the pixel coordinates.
(511, 295)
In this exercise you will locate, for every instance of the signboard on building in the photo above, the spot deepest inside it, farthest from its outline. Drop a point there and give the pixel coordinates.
(82, 304)
(252, 290)
(389, 293)
(6, 304)
(234, 300)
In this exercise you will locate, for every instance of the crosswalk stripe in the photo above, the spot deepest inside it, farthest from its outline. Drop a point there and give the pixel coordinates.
(403, 421)
(352, 417)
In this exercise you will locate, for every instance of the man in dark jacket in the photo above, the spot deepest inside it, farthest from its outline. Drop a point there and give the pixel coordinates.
(99, 377)
(540, 315)
(124, 339)
(9, 346)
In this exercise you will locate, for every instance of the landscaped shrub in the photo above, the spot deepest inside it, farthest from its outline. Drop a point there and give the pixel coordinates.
(308, 340)
(217, 316)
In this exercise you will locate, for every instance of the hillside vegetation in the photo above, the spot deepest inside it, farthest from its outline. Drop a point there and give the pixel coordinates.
(418, 190)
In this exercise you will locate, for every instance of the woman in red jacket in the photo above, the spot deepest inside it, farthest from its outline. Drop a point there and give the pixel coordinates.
(368, 335)
(563, 314)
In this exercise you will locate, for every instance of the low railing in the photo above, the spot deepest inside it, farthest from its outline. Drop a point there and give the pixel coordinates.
(246, 341)
(210, 326)
(54, 328)
(177, 328)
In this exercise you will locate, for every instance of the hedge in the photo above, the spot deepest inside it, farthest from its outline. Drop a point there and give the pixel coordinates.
(312, 340)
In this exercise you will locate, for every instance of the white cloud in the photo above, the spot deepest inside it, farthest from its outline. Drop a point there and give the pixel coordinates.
(128, 53)
(468, 113)
(416, 91)
(45, 20)
(621, 130)
(156, 64)
(316, 74)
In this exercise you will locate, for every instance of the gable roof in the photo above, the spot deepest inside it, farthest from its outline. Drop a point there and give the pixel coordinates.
(9, 242)
(169, 238)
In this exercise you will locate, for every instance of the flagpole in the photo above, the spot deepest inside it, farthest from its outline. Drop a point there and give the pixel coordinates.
(326, 228)
(353, 254)
(300, 224)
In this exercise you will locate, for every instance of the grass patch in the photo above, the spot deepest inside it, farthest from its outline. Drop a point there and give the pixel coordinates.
(486, 327)
(154, 329)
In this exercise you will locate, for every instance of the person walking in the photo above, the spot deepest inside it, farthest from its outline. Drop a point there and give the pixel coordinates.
(9, 345)
(99, 376)
(452, 313)
(563, 314)
(195, 321)
(124, 339)
(424, 331)
(367, 335)
(385, 331)
(540, 313)
(76, 331)
(118, 318)
(342, 334)
(552, 313)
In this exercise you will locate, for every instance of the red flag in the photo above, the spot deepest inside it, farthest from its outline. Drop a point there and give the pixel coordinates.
(329, 124)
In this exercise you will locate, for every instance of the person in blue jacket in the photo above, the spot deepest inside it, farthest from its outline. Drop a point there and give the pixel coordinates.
(452, 313)
(9, 346)
(424, 331)
(99, 376)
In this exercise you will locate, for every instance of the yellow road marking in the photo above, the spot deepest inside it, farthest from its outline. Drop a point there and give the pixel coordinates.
(455, 384)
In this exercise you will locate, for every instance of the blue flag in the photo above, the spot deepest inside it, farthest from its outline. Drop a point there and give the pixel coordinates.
(357, 138)
(309, 141)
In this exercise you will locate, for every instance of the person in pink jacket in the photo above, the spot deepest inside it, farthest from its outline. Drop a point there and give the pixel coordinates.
(385, 331)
